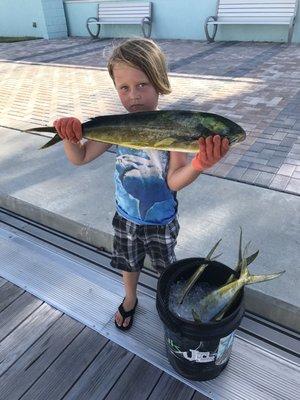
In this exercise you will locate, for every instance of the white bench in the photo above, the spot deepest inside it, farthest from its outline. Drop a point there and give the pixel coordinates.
(116, 12)
(265, 12)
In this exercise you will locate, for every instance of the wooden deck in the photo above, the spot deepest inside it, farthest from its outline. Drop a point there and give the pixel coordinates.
(45, 354)
(49, 278)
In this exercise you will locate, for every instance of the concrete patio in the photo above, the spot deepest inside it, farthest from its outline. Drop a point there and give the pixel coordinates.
(255, 84)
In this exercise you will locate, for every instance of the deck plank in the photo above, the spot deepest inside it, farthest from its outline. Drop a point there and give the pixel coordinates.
(137, 381)
(101, 375)
(23, 337)
(2, 281)
(68, 367)
(17, 312)
(199, 396)
(168, 386)
(37, 359)
(8, 294)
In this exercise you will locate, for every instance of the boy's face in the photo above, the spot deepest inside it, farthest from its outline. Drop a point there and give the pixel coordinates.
(135, 90)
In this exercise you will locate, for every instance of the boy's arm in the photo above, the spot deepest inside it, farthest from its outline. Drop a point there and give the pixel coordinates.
(182, 172)
(78, 153)
(82, 153)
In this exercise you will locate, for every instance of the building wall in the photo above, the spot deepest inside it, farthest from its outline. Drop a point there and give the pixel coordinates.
(172, 19)
(18, 16)
(176, 19)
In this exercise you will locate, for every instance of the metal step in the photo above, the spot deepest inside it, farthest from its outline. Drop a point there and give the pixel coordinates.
(77, 279)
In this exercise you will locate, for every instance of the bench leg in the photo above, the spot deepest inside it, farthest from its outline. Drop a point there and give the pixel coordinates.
(291, 30)
(209, 38)
(92, 19)
(146, 21)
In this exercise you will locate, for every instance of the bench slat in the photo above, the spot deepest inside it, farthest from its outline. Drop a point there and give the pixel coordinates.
(238, 2)
(124, 4)
(108, 9)
(262, 7)
(114, 11)
(120, 22)
(125, 12)
(255, 14)
(250, 22)
(125, 15)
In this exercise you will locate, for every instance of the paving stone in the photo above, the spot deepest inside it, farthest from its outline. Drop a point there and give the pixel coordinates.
(286, 169)
(280, 182)
(264, 178)
(293, 186)
(236, 173)
(264, 168)
(276, 162)
(250, 175)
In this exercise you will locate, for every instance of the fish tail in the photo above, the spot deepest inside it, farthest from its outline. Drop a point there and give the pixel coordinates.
(261, 278)
(52, 141)
(249, 279)
(49, 129)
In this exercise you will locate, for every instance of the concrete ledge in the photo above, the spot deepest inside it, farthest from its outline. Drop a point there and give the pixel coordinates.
(79, 231)
(259, 303)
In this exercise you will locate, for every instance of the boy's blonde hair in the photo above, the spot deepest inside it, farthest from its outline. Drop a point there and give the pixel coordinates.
(145, 55)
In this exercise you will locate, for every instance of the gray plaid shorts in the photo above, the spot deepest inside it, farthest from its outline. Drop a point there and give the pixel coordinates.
(132, 242)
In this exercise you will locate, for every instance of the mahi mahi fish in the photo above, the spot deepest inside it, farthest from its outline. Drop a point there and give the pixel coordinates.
(218, 299)
(170, 130)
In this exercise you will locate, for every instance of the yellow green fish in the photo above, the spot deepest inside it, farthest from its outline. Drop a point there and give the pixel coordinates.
(170, 130)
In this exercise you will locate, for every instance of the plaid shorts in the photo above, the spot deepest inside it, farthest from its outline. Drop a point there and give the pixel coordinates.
(132, 242)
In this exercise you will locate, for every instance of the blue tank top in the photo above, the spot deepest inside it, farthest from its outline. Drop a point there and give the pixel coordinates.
(142, 193)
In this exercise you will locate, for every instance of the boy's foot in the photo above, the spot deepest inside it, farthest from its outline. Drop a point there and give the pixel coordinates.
(124, 315)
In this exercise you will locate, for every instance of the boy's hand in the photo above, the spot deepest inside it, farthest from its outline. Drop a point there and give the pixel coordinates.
(69, 129)
(211, 150)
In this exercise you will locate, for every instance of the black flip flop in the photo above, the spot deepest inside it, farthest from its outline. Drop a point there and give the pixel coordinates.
(126, 314)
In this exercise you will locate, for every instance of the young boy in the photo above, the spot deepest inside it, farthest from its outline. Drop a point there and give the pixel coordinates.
(146, 180)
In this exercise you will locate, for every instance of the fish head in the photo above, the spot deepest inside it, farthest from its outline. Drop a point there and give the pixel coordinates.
(208, 124)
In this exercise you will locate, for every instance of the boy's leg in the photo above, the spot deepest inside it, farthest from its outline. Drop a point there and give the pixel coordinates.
(128, 256)
(130, 280)
(160, 244)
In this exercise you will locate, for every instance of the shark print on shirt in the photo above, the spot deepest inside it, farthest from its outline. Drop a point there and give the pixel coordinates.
(142, 193)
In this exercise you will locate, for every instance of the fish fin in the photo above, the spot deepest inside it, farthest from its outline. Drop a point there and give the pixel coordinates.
(99, 118)
(215, 257)
(251, 258)
(196, 316)
(221, 313)
(208, 257)
(192, 281)
(131, 145)
(56, 138)
(164, 143)
(198, 272)
(239, 264)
